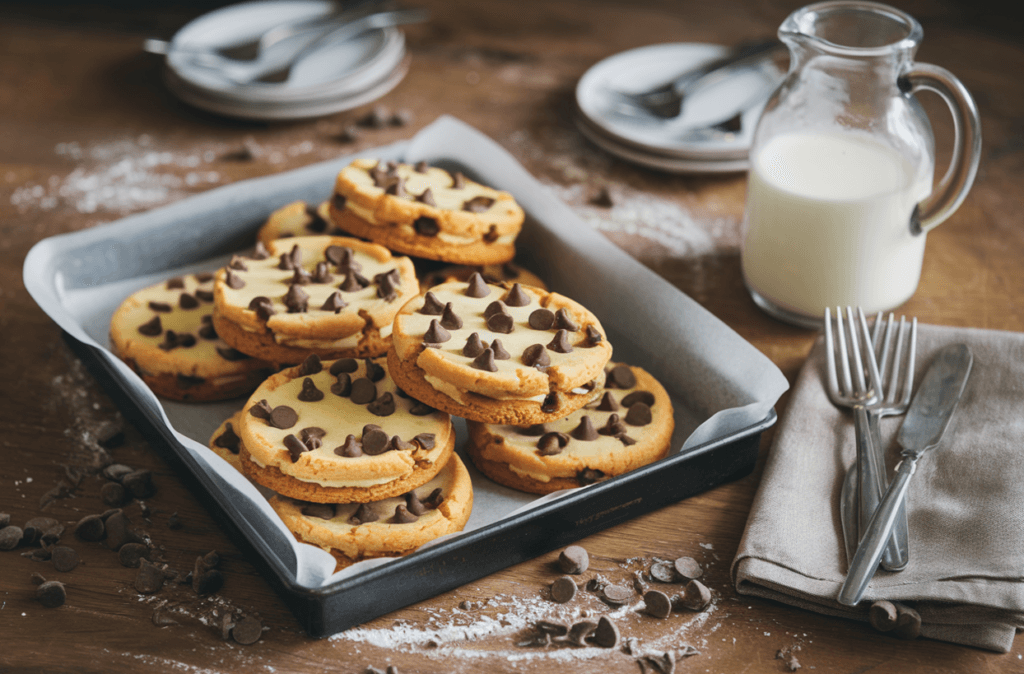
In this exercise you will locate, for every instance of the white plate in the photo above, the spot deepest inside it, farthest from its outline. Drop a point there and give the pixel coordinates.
(644, 68)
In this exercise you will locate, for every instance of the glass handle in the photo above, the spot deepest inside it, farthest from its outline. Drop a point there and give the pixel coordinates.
(953, 187)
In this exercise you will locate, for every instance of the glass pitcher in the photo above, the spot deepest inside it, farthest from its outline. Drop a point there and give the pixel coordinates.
(840, 195)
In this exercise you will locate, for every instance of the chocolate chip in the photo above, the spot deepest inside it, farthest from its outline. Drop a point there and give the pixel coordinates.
(695, 597)
(205, 295)
(560, 343)
(64, 558)
(323, 511)
(688, 568)
(621, 376)
(151, 328)
(162, 307)
(51, 594)
(399, 444)
(645, 397)
(542, 319)
(449, 319)
(617, 594)
(516, 297)
(431, 305)
(233, 281)
(563, 590)
(295, 447)
(296, 299)
(351, 448)
(657, 604)
(403, 516)
(379, 175)
(639, 414)
(131, 554)
(551, 402)
(139, 484)
(321, 273)
(150, 577)
(563, 321)
(495, 307)
(340, 257)
(90, 528)
(354, 282)
(883, 616)
(588, 476)
(113, 494)
(585, 430)
(375, 441)
(10, 537)
(363, 514)
(613, 426)
(118, 532)
(116, 471)
(260, 252)
(420, 167)
(363, 391)
(344, 365)
(552, 443)
(608, 404)
(663, 572)
(420, 409)
(311, 365)
(207, 582)
(478, 204)
(500, 353)
(334, 303)
(247, 631)
(176, 282)
(413, 503)
(310, 393)
(579, 632)
(263, 307)
(374, 372)
(574, 559)
(458, 180)
(237, 263)
(425, 440)
(474, 346)
(230, 354)
(228, 439)
(536, 356)
(477, 287)
(485, 361)
(283, 417)
(426, 226)
(110, 434)
(492, 234)
(261, 410)
(343, 386)
(625, 440)
(301, 277)
(593, 337)
(501, 323)
(285, 262)
(436, 334)
(607, 634)
(384, 406)
(386, 289)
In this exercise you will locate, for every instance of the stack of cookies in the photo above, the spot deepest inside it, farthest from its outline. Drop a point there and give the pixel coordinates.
(375, 352)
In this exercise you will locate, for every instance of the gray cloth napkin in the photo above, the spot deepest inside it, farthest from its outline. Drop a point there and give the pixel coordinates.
(965, 506)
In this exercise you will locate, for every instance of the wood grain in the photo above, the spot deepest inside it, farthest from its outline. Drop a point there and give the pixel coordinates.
(75, 75)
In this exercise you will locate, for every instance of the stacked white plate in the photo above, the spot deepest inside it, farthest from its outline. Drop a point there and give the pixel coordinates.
(695, 141)
(337, 76)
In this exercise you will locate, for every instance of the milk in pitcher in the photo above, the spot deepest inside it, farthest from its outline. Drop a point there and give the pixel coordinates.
(828, 223)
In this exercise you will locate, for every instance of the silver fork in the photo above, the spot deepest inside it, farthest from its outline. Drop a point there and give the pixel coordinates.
(856, 392)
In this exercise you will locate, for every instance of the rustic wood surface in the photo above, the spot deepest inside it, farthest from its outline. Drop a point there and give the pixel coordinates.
(89, 134)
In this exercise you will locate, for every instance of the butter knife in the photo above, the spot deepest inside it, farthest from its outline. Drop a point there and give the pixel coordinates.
(926, 420)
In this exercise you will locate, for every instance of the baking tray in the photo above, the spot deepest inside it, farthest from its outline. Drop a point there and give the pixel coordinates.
(723, 389)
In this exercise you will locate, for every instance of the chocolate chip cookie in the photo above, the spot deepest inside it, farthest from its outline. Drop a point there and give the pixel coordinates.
(225, 442)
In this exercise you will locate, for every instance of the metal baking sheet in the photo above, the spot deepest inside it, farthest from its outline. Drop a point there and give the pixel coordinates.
(723, 389)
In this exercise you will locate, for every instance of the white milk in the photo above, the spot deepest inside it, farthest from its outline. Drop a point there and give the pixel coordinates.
(828, 223)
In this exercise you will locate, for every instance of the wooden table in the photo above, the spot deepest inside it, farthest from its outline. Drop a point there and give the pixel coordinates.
(89, 134)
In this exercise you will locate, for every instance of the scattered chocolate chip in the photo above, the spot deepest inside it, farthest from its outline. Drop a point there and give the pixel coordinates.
(247, 631)
(363, 514)
(551, 402)
(162, 307)
(64, 558)
(501, 323)
(207, 582)
(695, 597)
(139, 484)
(500, 353)
(663, 572)
(51, 594)
(639, 414)
(602, 198)
(563, 321)
(436, 334)
(474, 346)
(175, 283)
(296, 299)
(574, 559)
(116, 471)
(536, 356)
(310, 393)
(563, 589)
(230, 354)
(283, 417)
(374, 372)
(477, 287)
(516, 297)
(263, 307)
(261, 410)
(908, 623)
(375, 441)
(150, 577)
(560, 343)
(403, 516)
(542, 319)
(607, 634)
(420, 409)
(552, 628)
(588, 476)
(233, 281)
(132, 554)
(151, 328)
(363, 391)
(90, 528)
(621, 376)
(351, 448)
(110, 434)
(174, 522)
(579, 632)
(383, 406)
(113, 494)
(458, 180)
(658, 604)
(585, 430)
(882, 615)
(295, 447)
(342, 386)
(344, 365)
(485, 361)
(595, 585)
(38, 555)
(323, 511)
(617, 594)
(478, 204)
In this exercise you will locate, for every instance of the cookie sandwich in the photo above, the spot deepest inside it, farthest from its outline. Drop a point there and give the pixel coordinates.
(426, 212)
(629, 426)
(332, 296)
(504, 354)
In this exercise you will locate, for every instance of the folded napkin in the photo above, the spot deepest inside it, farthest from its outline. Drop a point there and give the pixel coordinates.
(965, 506)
